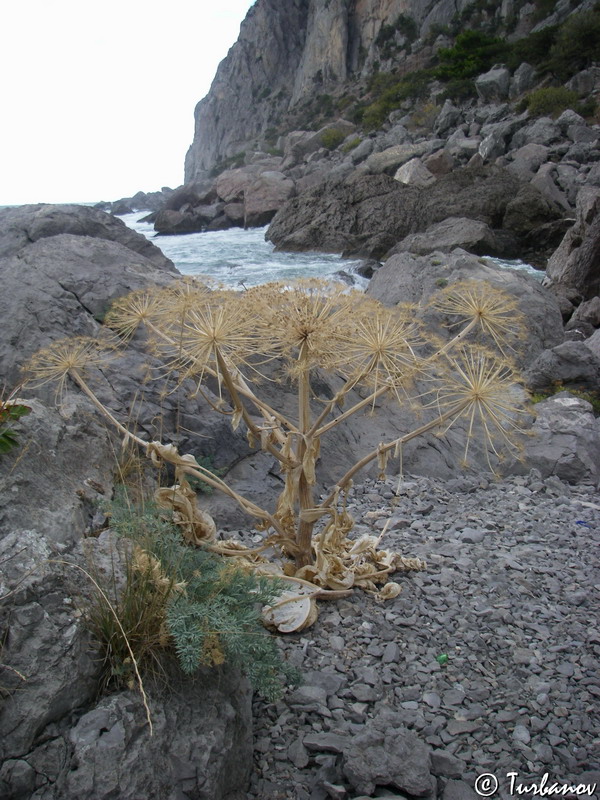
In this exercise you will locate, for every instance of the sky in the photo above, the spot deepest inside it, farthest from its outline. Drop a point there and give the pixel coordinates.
(97, 97)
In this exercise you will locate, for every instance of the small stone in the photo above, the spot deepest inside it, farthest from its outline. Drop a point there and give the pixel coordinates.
(325, 742)
(391, 652)
(456, 727)
(521, 734)
(566, 669)
(446, 765)
(458, 790)
(308, 695)
(298, 754)
(432, 699)
(334, 790)
(364, 693)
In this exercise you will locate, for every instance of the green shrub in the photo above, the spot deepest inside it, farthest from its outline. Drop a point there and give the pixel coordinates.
(201, 606)
(332, 138)
(532, 49)
(389, 92)
(577, 45)
(351, 144)
(459, 89)
(473, 52)
(11, 409)
(551, 101)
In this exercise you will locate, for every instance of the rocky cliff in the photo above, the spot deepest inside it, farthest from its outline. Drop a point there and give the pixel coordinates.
(288, 52)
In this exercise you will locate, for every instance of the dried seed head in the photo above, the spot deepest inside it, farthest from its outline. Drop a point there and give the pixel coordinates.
(309, 323)
(496, 313)
(483, 389)
(53, 364)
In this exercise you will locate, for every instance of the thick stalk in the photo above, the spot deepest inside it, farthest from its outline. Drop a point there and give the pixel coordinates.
(305, 446)
(238, 403)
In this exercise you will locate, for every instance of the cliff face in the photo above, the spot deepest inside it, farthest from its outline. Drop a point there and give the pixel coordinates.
(288, 52)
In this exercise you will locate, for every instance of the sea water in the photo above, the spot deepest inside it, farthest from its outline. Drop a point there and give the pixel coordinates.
(241, 258)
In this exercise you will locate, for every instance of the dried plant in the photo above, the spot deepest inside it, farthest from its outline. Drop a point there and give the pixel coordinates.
(232, 338)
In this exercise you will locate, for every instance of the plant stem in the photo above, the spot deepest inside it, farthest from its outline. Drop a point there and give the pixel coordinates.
(428, 426)
(305, 450)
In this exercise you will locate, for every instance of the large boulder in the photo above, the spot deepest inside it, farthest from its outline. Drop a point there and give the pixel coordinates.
(390, 159)
(565, 441)
(576, 262)
(570, 363)
(468, 234)
(265, 195)
(368, 214)
(406, 278)
(22, 225)
(493, 86)
(387, 754)
(63, 285)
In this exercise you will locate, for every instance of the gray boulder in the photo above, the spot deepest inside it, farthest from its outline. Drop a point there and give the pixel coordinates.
(448, 118)
(265, 195)
(171, 223)
(111, 752)
(468, 234)
(588, 311)
(522, 80)
(565, 441)
(544, 181)
(576, 262)
(391, 158)
(594, 343)
(570, 363)
(64, 284)
(541, 131)
(414, 173)
(493, 86)
(387, 754)
(22, 225)
(527, 160)
(368, 214)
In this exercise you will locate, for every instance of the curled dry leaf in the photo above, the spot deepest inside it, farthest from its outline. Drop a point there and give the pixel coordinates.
(294, 611)
(389, 591)
(198, 526)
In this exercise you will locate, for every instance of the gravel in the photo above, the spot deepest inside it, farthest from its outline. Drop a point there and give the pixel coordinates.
(509, 596)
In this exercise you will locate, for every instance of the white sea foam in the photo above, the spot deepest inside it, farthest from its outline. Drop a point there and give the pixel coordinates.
(238, 257)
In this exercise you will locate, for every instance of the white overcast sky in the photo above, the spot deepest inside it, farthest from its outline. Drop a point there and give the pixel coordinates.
(97, 97)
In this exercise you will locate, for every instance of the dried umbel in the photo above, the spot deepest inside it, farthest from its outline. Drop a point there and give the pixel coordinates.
(203, 332)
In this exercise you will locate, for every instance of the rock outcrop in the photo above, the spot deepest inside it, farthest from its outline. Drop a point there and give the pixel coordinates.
(368, 214)
(575, 265)
(60, 268)
(286, 53)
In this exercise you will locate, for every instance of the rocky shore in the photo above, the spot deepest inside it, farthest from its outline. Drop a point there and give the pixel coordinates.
(486, 663)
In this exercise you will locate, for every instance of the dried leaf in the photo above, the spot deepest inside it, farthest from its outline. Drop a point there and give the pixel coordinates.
(294, 612)
(389, 591)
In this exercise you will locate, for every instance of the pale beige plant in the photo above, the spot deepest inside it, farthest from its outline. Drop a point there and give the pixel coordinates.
(233, 338)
